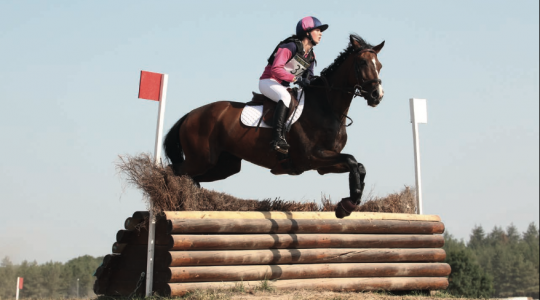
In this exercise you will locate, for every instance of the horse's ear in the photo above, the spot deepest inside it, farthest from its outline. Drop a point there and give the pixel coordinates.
(378, 48)
(354, 42)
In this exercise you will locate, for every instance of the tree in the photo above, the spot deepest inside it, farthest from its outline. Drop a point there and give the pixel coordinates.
(81, 268)
(513, 234)
(477, 237)
(33, 287)
(513, 275)
(467, 278)
(51, 279)
(7, 278)
(531, 253)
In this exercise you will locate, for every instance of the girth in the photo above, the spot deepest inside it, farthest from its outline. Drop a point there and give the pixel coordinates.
(269, 106)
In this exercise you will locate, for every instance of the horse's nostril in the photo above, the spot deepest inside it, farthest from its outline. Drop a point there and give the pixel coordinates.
(375, 94)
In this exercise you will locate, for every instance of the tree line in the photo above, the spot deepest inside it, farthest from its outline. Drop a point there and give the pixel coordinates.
(498, 264)
(49, 280)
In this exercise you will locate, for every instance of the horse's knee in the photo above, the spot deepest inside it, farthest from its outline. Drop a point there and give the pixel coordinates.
(361, 169)
(351, 161)
(362, 172)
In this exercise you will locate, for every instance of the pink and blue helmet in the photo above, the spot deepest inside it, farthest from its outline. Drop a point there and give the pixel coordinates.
(307, 24)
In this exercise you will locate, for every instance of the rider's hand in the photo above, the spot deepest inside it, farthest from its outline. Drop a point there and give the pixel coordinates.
(302, 82)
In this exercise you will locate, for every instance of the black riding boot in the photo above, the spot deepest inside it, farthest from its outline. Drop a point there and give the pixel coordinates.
(279, 143)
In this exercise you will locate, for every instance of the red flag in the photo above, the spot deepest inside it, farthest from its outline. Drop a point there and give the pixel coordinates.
(21, 283)
(150, 85)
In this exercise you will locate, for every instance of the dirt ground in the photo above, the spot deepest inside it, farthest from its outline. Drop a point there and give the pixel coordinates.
(310, 295)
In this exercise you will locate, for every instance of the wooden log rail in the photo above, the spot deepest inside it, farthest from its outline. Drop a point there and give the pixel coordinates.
(291, 271)
(301, 250)
(303, 256)
(302, 241)
(251, 226)
(332, 284)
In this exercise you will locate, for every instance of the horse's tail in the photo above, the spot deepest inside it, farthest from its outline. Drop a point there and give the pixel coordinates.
(172, 145)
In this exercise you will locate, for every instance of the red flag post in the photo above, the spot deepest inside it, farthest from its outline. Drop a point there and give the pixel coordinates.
(153, 86)
(20, 281)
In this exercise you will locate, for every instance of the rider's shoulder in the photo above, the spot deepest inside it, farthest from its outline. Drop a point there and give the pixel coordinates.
(290, 43)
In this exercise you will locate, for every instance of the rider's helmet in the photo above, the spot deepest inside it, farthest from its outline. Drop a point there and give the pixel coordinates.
(306, 25)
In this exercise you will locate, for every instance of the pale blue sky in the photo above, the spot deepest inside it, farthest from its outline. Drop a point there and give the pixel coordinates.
(69, 74)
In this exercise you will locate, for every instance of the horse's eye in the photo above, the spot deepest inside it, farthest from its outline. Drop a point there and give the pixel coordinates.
(362, 62)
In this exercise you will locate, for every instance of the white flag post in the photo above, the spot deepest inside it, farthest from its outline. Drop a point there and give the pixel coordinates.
(157, 159)
(418, 115)
(146, 92)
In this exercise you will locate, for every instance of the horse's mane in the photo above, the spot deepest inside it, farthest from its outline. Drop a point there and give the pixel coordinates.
(328, 71)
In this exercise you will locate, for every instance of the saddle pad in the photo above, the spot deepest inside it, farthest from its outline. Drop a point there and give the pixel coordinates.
(252, 114)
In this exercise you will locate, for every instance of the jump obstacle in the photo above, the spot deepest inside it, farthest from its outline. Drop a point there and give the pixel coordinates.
(292, 250)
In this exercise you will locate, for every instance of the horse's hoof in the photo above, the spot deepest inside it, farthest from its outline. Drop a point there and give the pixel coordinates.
(344, 208)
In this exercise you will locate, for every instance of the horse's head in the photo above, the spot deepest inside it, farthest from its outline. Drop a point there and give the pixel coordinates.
(364, 75)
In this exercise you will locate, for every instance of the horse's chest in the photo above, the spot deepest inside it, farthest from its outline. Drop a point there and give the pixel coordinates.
(334, 141)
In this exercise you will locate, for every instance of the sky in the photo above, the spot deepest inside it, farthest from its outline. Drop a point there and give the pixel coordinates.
(69, 75)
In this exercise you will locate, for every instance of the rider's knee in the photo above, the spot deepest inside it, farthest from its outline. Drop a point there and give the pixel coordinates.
(286, 99)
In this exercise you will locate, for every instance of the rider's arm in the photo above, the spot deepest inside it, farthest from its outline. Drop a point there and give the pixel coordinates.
(283, 55)
(310, 71)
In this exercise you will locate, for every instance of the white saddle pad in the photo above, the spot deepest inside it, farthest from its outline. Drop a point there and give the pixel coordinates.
(252, 114)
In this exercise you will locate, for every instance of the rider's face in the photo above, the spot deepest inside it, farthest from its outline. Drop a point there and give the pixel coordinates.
(316, 34)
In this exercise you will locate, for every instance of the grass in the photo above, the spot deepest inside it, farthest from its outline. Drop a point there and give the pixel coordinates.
(265, 286)
(239, 287)
(265, 291)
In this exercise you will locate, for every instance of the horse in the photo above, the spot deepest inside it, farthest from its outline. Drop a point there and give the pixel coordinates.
(210, 142)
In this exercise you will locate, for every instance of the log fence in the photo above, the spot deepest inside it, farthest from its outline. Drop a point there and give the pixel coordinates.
(296, 250)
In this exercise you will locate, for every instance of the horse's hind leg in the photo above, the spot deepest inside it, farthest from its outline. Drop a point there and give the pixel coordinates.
(226, 166)
(197, 163)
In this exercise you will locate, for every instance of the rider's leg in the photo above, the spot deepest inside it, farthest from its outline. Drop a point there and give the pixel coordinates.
(280, 116)
(277, 92)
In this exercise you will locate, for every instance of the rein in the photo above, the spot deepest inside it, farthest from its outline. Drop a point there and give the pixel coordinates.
(357, 90)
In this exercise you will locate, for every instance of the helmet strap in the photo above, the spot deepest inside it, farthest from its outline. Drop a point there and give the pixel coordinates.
(311, 39)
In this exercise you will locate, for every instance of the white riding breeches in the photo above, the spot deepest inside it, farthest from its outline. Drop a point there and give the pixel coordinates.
(275, 91)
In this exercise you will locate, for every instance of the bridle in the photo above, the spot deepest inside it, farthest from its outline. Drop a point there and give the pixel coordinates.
(357, 90)
(359, 87)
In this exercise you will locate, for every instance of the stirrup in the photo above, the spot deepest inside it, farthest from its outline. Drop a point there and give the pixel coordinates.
(280, 149)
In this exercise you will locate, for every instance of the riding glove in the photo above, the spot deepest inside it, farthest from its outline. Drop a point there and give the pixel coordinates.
(302, 82)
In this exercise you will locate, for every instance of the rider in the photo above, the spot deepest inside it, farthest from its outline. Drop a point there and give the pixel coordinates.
(291, 61)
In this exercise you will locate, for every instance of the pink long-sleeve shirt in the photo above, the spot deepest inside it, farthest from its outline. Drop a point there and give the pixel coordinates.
(277, 71)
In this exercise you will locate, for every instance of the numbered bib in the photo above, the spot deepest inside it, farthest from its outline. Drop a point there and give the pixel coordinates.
(297, 65)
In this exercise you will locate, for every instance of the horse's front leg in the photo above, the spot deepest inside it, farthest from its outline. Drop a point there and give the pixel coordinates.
(333, 162)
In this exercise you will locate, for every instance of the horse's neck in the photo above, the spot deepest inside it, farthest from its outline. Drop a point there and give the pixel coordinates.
(340, 97)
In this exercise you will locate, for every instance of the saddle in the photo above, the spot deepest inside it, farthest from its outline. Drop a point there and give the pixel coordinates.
(269, 106)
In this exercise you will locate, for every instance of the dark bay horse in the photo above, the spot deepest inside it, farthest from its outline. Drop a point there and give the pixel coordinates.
(210, 142)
